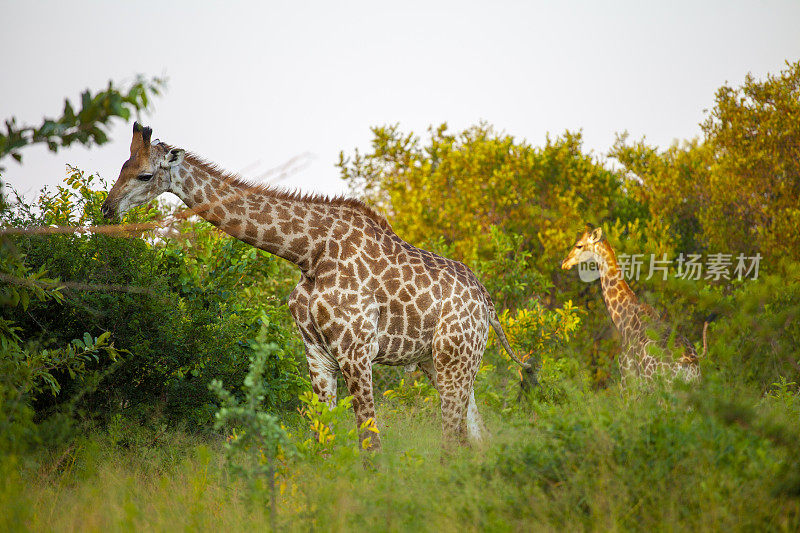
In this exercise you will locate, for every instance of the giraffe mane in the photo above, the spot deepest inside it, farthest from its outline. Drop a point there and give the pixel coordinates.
(235, 180)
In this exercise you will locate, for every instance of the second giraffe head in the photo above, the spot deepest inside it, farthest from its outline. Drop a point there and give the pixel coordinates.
(587, 248)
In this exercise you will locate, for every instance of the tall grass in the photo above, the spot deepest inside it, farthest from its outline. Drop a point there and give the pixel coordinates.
(706, 459)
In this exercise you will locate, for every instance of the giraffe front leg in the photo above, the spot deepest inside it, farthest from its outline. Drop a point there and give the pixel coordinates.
(321, 365)
(357, 372)
(323, 375)
(350, 335)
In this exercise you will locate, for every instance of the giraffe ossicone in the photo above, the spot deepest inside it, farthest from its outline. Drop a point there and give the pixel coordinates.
(649, 348)
(365, 296)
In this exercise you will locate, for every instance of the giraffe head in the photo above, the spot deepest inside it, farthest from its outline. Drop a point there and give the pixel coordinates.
(588, 247)
(146, 174)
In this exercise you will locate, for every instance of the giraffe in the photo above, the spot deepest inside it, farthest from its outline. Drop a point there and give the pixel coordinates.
(365, 296)
(633, 318)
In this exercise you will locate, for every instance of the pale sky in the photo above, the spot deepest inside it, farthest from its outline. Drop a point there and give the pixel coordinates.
(253, 84)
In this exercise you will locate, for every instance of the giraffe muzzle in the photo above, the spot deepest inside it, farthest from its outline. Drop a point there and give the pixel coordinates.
(107, 210)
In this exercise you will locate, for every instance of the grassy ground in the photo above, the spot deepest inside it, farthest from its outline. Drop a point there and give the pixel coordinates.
(658, 460)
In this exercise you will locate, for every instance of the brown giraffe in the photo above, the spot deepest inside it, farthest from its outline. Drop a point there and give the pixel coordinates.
(365, 296)
(633, 318)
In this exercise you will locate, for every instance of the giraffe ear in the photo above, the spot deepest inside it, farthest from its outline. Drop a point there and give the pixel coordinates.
(174, 158)
(596, 235)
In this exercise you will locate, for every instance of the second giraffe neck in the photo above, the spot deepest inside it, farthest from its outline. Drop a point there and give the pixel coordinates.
(617, 294)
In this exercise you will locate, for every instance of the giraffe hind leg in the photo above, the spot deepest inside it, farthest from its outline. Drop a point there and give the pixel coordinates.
(454, 377)
(475, 426)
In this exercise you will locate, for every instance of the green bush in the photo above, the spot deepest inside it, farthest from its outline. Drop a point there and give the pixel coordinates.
(643, 461)
(187, 310)
(756, 337)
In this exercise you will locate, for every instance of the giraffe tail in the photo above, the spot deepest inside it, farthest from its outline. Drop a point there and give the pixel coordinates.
(498, 329)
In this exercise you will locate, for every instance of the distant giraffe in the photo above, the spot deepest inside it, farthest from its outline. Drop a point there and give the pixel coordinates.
(365, 296)
(633, 318)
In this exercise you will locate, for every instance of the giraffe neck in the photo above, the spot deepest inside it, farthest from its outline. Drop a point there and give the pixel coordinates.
(620, 300)
(274, 221)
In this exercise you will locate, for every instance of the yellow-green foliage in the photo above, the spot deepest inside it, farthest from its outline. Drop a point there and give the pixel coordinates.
(736, 189)
(460, 185)
(411, 395)
(754, 182)
(333, 427)
(536, 331)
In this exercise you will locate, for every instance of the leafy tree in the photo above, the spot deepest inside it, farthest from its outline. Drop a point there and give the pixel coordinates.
(755, 181)
(27, 369)
(87, 127)
(669, 185)
(735, 190)
(756, 340)
(459, 185)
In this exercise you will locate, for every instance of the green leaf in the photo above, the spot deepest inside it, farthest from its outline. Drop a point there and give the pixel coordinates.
(24, 299)
(69, 113)
(99, 136)
(86, 101)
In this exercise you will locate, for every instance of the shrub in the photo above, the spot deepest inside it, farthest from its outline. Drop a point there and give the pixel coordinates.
(188, 310)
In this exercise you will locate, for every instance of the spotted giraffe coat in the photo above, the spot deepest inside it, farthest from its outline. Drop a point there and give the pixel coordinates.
(365, 296)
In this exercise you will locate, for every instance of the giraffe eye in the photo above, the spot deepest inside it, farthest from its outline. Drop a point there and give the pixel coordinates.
(144, 177)
(578, 246)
